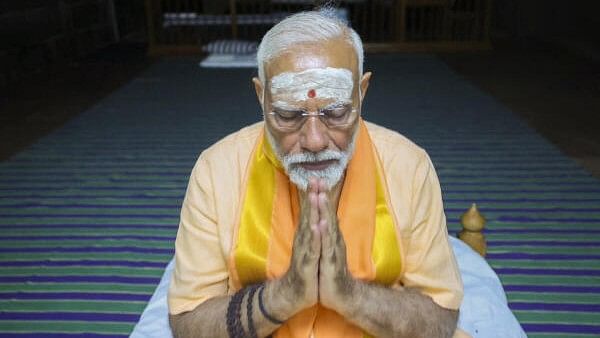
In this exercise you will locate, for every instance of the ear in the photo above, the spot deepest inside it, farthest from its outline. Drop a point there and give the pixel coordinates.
(258, 87)
(364, 84)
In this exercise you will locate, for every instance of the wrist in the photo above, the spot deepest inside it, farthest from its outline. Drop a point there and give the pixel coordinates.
(349, 304)
(277, 301)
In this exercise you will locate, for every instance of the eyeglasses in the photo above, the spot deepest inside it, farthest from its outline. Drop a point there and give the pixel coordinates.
(332, 117)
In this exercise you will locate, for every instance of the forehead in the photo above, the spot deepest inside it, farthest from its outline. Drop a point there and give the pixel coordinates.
(336, 53)
(315, 83)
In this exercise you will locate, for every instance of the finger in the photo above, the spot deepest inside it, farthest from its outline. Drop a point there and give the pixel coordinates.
(323, 205)
(307, 242)
(324, 213)
(313, 184)
(314, 209)
(305, 205)
(322, 185)
(303, 233)
(322, 226)
(316, 240)
(324, 246)
(330, 193)
(326, 210)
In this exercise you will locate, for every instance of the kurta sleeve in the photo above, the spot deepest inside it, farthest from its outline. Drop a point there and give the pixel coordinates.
(200, 269)
(430, 263)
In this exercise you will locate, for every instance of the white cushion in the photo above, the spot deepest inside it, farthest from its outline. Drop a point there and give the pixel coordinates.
(484, 312)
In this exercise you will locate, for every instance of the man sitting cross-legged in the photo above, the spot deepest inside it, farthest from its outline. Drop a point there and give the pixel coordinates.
(313, 223)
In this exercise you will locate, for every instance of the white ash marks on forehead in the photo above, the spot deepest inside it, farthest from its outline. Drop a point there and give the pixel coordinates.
(326, 83)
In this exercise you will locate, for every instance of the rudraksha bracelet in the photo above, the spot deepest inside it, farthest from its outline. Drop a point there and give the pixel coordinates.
(249, 308)
(264, 312)
(234, 323)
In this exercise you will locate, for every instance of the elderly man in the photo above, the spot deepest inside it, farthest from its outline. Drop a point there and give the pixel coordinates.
(313, 223)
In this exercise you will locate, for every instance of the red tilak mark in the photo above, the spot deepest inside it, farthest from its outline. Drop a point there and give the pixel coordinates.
(312, 93)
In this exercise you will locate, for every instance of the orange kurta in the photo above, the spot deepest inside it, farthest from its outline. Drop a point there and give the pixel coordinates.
(211, 211)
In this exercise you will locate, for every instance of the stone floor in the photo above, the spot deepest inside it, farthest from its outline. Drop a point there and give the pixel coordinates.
(44, 101)
(557, 92)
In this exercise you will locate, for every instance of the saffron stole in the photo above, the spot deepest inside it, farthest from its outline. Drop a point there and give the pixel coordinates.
(262, 251)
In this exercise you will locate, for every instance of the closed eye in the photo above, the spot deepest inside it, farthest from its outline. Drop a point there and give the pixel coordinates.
(337, 111)
(288, 114)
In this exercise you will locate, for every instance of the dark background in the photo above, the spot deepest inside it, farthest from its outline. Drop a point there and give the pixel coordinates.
(58, 57)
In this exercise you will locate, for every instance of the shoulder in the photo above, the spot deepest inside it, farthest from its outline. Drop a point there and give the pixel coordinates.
(218, 178)
(395, 148)
(406, 166)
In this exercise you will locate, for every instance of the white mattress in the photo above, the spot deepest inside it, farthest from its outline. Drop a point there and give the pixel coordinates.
(484, 312)
(229, 61)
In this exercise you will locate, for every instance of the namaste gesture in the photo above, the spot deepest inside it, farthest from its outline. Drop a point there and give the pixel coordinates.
(318, 271)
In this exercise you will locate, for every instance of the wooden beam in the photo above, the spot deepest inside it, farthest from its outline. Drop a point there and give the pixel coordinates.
(112, 17)
(233, 13)
(400, 16)
(488, 20)
(151, 32)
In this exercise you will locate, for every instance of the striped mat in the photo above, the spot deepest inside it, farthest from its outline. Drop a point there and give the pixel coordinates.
(88, 214)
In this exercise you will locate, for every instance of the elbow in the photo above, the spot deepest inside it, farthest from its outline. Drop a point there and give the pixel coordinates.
(445, 324)
(439, 323)
(442, 324)
(176, 324)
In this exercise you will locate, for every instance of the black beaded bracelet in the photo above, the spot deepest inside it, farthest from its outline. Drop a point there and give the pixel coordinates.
(264, 312)
(249, 308)
(234, 323)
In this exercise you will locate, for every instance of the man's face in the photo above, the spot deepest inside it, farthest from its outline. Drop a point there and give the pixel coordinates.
(313, 79)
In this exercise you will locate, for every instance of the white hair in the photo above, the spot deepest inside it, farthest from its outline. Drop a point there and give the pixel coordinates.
(306, 27)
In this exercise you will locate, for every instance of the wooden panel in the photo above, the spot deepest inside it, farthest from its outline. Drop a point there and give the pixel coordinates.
(424, 23)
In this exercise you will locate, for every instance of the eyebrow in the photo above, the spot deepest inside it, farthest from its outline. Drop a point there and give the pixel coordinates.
(284, 106)
(338, 103)
(290, 107)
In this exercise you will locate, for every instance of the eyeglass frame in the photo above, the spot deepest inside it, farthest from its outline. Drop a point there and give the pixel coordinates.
(318, 114)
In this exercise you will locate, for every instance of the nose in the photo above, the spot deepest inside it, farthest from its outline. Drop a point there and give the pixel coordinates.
(314, 137)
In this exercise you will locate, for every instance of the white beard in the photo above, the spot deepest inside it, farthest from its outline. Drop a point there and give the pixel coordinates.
(300, 176)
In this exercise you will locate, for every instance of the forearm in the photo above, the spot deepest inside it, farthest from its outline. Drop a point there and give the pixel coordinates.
(209, 319)
(206, 320)
(386, 312)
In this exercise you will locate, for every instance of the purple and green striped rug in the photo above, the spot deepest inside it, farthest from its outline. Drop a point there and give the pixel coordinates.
(88, 214)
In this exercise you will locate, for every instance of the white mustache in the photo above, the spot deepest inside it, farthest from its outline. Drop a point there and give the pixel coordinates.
(321, 156)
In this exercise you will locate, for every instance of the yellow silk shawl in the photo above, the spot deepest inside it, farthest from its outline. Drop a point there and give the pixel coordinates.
(268, 218)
